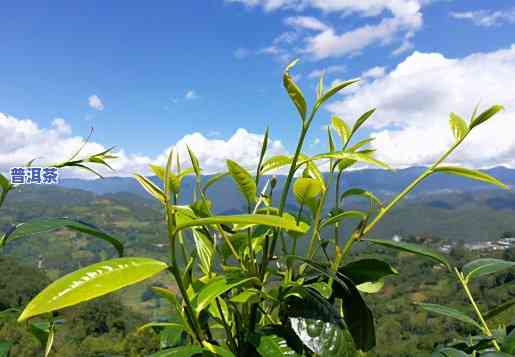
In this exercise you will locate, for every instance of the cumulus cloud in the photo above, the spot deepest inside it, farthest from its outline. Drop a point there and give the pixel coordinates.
(374, 72)
(95, 102)
(329, 70)
(25, 140)
(486, 18)
(413, 102)
(399, 20)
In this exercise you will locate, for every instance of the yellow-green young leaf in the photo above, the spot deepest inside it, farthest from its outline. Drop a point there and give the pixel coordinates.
(174, 182)
(305, 189)
(458, 126)
(214, 179)
(217, 287)
(472, 174)
(341, 216)
(484, 116)
(150, 187)
(320, 87)
(91, 282)
(244, 180)
(341, 127)
(5, 185)
(276, 162)
(361, 143)
(360, 192)
(332, 91)
(205, 250)
(351, 157)
(194, 161)
(266, 220)
(294, 91)
(361, 120)
(217, 350)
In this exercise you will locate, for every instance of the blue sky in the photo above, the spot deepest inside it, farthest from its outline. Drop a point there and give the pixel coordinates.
(156, 74)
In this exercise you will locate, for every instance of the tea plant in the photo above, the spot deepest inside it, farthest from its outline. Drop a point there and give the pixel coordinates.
(244, 288)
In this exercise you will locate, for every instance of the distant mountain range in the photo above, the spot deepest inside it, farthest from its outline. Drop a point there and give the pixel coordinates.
(382, 183)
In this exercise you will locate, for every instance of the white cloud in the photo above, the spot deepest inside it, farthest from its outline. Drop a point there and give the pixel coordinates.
(404, 47)
(403, 20)
(374, 72)
(25, 140)
(191, 95)
(486, 18)
(329, 70)
(413, 102)
(95, 102)
(306, 22)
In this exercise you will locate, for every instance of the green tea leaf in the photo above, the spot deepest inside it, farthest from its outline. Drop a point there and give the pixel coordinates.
(205, 250)
(472, 174)
(412, 248)
(508, 344)
(341, 216)
(5, 348)
(499, 309)
(244, 180)
(43, 225)
(484, 116)
(449, 312)
(458, 126)
(367, 270)
(183, 351)
(360, 192)
(217, 287)
(361, 143)
(214, 179)
(217, 350)
(91, 282)
(484, 266)
(342, 128)
(267, 220)
(361, 120)
(5, 185)
(449, 352)
(294, 91)
(332, 91)
(150, 187)
(276, 162)
(320, 87)
(194, 162)
(272, 346)
(306, 189)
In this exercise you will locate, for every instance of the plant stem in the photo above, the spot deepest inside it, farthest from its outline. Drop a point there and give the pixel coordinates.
(476, 308)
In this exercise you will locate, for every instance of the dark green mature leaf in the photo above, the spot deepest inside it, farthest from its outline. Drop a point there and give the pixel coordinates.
(484, 266)
(496, 354)
(323, 338)
(484, 116)
(5, 348)
(367, 270)
(508, 344)
(342, 128)
(361, 120)
(332, 91)
(341, 216)
(44, 225)
(183, 351)
(294, 91)
(91, 282)
(272, 346)
(413, 248)
(499, 309)
(244, 180)
(284, 222)
(449, 312)
(357, 315)
(449, 352)
(472, 174)
(458, 126)
(306, 189)
(217, 287)
(150, 187)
